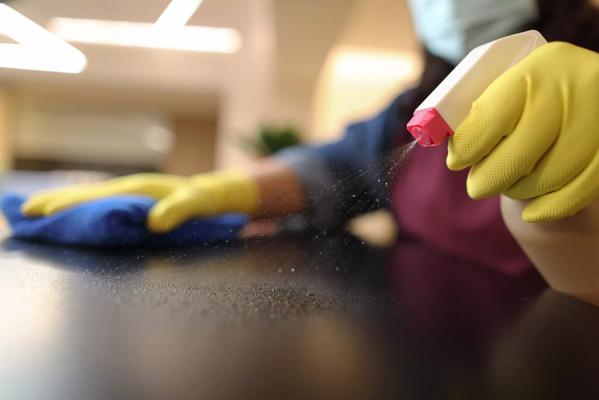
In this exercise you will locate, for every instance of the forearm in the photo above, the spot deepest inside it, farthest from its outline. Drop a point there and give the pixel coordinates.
(280, 192)
(331, 183)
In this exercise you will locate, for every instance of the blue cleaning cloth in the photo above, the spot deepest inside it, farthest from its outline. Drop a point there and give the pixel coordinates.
(114, 222)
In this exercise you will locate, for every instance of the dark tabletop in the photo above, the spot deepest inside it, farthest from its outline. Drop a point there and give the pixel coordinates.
(287, 317)
(318, 317)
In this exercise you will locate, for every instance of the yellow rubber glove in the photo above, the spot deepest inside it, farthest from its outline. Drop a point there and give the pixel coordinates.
(180, 198)
(534, 134)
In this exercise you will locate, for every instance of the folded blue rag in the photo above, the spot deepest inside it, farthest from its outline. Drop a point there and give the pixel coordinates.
(118, 221)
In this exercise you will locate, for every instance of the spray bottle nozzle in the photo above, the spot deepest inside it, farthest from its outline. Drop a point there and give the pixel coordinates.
(421, 137)
(429, 128)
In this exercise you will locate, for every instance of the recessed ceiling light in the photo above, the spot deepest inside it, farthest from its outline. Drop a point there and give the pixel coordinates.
(168, 32)
(140, 34)
(36, 48)
(177, 14)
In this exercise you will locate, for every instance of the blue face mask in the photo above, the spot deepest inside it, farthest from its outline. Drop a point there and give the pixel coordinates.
(451, 28)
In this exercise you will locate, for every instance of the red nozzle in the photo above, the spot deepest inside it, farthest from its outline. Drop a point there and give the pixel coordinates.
(429, 128)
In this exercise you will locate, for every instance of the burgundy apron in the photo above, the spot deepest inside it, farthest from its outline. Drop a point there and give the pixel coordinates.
(431, 204)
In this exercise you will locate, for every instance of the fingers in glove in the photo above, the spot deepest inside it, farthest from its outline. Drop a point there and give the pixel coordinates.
(567, 201)
(178, 208)
(66, 200)
(150, 184)
(153, 185)
(573, 151)
(493, 116)
(34, 206)
(517, 154)
(61, 199)
(37, 204)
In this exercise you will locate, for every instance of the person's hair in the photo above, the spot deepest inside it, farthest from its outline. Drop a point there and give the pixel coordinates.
(573, 21)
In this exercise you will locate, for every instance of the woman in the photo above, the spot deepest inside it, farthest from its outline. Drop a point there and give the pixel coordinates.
(550, 96)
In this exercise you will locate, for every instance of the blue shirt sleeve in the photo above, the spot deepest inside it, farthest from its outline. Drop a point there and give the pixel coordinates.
(349, 177)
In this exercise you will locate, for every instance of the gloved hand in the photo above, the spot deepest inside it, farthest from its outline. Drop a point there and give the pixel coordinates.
(534, 134)
(180, 198)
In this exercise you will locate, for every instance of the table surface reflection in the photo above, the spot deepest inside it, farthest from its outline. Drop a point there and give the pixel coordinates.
(313, 317)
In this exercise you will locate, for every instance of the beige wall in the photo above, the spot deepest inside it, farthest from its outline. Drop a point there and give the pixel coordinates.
(314, 36)
(248, 95)
(375, 58)
(273, 78)
(87, 134)
(305, 32)
(114, 127)
(7, 125)
(241, 81)
(194, 142)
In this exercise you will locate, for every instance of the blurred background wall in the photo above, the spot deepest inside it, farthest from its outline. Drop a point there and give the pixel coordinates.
(312, 64)
(315, 65)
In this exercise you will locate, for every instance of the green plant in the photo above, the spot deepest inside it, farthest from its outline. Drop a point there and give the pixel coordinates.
(270, 139)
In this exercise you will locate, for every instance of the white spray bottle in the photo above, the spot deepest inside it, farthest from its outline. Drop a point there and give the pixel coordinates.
(438, 117)
(565, 252)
